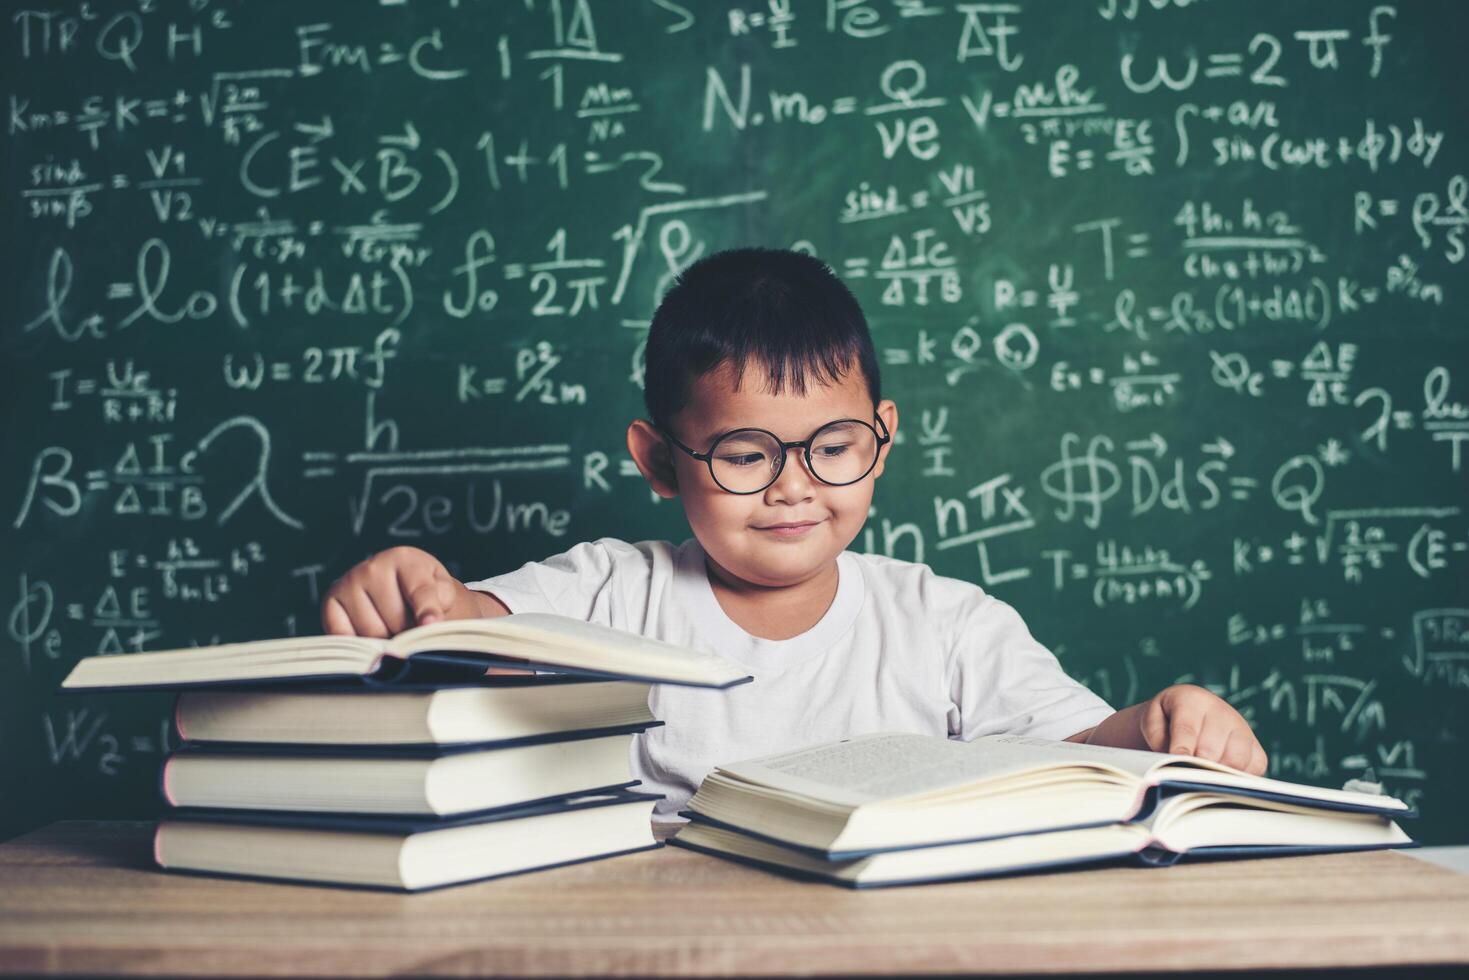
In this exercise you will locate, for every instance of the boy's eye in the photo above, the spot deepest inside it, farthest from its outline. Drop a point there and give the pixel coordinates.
(830, 450)
(743, 459)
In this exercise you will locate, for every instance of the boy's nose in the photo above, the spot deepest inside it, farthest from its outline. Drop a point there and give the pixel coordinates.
(795, 480)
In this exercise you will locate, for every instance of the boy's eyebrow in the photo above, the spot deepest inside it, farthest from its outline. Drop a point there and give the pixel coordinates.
(703, 444)
(715, 436)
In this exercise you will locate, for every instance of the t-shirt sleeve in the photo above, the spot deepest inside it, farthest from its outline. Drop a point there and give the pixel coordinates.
(1002, 681)
(581, 582)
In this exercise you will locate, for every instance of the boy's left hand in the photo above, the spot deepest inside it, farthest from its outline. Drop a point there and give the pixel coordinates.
(1187, 720)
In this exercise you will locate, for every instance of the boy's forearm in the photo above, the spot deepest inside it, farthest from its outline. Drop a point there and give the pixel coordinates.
(1123, 730)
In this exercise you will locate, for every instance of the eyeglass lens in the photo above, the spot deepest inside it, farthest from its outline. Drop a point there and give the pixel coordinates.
(748, 460)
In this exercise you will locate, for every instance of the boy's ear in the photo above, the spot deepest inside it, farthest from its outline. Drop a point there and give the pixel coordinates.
(887, 410)
(653, 457)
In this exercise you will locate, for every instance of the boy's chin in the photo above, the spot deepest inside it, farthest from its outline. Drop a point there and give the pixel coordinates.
(776, 563)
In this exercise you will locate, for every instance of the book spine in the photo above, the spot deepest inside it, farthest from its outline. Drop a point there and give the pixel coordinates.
(163, 781)
(178, 718)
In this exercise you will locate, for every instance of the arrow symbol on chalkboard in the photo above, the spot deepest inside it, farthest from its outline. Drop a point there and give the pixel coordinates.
(1221, 446)
(408, 139)
(1155, 442)
(317, 131)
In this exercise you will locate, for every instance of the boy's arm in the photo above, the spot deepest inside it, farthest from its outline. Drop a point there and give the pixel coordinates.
(1183, 719)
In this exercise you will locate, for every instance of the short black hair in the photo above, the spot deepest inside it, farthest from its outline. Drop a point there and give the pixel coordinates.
(785, 310)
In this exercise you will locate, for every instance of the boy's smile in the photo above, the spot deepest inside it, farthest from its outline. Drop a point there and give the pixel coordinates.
(790, 529)
(785, 538)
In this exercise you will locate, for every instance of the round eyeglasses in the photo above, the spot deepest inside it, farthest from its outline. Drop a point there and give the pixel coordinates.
(749, 460)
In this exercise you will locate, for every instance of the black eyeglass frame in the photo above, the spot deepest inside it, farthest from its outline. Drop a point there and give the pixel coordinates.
(883, 438)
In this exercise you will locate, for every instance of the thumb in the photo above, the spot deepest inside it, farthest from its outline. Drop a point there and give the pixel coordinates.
(1154, 725)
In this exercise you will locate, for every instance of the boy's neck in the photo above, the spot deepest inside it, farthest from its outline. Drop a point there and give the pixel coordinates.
(774, 612)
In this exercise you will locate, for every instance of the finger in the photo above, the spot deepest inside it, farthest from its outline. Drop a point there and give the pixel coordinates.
(385, 592)
(507, 670)
(364, 615)
(1237, 748)
(1259, 761)
(1154, 726)
(429, 597)
(1183, 728)
(334, 618)
(1241, 748)
(1214, 733)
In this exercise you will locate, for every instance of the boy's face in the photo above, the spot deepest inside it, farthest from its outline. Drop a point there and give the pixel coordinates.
(738, 531)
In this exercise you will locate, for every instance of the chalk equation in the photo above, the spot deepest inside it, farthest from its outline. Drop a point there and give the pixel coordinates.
(1170, 295)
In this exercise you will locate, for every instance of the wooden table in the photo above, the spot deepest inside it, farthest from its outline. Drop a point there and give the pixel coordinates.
(83, 897)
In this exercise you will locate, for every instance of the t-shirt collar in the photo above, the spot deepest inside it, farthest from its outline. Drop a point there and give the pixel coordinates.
(727, 638)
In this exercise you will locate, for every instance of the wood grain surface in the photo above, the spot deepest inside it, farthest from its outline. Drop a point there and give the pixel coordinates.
(84, 897)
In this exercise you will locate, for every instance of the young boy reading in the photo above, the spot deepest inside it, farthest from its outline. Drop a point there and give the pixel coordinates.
(766, 421)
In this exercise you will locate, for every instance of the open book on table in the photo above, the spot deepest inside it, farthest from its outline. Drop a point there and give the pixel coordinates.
(540, 640)
(896, 791)
(1192, 824)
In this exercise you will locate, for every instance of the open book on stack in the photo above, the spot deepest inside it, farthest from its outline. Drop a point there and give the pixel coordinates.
(888, 809)
(547, 642)
(401, 763)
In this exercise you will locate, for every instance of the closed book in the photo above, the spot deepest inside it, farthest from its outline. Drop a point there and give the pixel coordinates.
(889, 791)
(493, 709)
(405, 780)
(1187, 824)
(543, 641)
(405, 854)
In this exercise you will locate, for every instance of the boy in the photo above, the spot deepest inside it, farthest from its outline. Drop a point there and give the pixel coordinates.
(767, 423)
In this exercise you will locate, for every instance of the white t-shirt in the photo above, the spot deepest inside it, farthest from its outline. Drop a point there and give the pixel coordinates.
(899, 649)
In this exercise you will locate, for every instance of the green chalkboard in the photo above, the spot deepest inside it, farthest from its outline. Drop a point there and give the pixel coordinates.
(1170, 296)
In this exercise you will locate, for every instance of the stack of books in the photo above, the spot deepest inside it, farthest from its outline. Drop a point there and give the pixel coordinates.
(401, 763)
(893, 809)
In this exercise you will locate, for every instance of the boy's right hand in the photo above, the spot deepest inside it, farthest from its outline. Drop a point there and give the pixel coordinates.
(399, 588)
